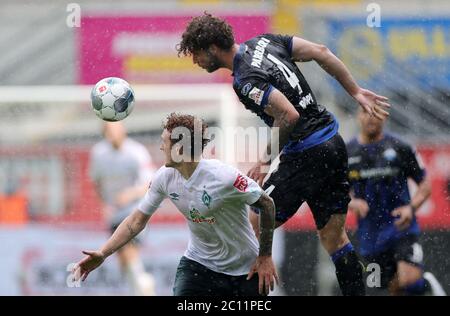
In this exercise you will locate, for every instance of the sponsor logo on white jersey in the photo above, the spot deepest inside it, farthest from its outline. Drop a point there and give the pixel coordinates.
(196, 217)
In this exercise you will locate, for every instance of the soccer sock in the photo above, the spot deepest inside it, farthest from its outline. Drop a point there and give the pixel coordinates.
(135, 268)
(417, 288)
(433, 285)
(140, 281)
(349, 271)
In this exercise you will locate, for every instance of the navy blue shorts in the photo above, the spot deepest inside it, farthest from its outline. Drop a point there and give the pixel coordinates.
(406, 249)
(318, 176)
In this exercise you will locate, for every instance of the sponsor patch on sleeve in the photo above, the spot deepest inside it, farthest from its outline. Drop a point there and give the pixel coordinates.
(246, 88)
(256, 95)
(241, 183)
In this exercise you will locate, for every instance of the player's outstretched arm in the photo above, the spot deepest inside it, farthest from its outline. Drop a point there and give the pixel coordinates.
(127, 230)
(264, 265)
(303, 50)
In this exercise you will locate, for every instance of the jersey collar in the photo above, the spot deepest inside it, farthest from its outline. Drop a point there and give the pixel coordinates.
(190, 182)
(358, 141)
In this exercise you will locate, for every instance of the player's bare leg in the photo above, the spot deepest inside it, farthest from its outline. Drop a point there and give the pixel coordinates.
(349, 270)
(407, 275)
(333, 237)
(141, 282)
(410, 280)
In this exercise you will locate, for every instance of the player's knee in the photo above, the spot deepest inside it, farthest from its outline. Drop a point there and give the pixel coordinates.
(333, 236)
(408, 275)
(408, 280)
(333, 241)
(128, 253)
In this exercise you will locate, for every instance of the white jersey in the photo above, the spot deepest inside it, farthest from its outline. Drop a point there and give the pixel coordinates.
(213, 200)
(115, 170)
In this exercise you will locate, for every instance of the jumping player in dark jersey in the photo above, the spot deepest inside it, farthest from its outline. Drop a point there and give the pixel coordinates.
(313, 160)
(379, 166)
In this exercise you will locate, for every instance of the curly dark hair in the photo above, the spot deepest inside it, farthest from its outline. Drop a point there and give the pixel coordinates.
(202, 32)
(190, 122)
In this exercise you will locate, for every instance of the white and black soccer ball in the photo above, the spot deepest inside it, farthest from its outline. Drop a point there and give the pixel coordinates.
(112, 99)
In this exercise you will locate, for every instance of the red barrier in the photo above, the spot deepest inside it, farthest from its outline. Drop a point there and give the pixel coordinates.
(434, 214)
(79, 203)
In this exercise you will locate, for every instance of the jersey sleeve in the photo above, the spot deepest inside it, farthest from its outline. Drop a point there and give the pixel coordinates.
(254, 89)
(239, 187)
(156, 193)
(413, 164)
(283, 40)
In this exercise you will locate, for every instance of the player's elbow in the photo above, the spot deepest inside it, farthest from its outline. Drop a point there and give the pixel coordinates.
(265, 204)
(139, 219)
(323, 49)
(292, 117)
(321, 52)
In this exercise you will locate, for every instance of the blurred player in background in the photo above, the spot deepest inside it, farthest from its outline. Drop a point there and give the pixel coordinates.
(379, 167)
(121, 170)
(313, 161)
(223, 253)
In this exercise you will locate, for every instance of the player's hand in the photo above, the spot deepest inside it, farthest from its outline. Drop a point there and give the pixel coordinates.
(258, 172)
(359, 207)
(82, 269)
(372, 103)
(405, 216)
(267, 274)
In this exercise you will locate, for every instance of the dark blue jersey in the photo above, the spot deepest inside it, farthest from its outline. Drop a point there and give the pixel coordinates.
(378, 173)
(264, 63)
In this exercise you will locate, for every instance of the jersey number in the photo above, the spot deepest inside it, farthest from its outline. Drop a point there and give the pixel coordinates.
(287, 73)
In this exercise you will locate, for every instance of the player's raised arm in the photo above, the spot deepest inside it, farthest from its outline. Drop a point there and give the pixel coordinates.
(303, 50)
(127, 230)
(264, 265)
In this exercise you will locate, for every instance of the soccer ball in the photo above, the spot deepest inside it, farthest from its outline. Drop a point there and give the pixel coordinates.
(112, 99)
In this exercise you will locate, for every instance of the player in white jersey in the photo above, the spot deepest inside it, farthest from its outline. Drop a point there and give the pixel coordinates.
(223, 252)
(121, 169)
